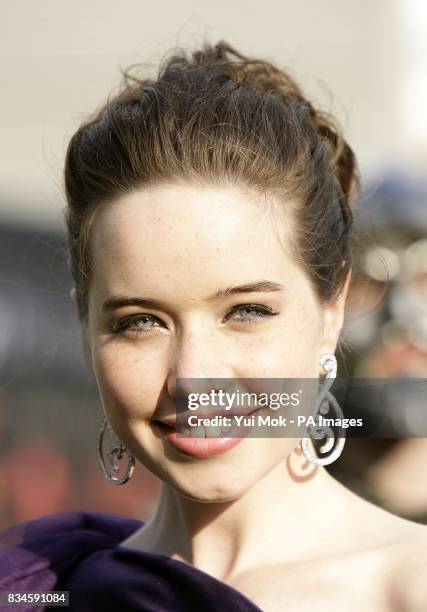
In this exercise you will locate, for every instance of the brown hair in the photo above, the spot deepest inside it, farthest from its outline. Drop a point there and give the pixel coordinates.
(217, 116)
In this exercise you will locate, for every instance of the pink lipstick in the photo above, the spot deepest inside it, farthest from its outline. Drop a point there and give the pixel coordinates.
(200, 447)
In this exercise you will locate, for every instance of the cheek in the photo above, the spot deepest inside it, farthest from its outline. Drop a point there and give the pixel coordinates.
(290, 351)
(304, 338)
(126, 382)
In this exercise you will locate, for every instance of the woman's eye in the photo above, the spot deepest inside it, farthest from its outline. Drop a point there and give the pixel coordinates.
(251, 313)
(245, 313)
(139, 324)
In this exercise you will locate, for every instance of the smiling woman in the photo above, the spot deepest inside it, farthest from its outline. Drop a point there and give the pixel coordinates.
(209, 225)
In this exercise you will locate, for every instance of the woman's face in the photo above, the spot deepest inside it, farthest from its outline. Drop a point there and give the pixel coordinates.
(179, 245)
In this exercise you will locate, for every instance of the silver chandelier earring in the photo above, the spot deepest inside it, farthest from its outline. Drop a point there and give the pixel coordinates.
(326, 403)
(115, 454)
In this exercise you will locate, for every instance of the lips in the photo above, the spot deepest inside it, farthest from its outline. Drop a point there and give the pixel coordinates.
(202, 441)
(182, 418)
(197, 447)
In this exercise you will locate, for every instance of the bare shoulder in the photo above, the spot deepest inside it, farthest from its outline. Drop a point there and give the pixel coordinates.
(400, 546)
(375, 564)
(393, 552)
(389, 563)
(407, 570)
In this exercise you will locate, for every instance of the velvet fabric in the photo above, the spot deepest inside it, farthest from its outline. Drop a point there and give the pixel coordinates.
(80, 552)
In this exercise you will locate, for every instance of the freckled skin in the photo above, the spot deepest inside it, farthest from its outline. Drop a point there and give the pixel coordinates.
(179, 244)
(277, 529)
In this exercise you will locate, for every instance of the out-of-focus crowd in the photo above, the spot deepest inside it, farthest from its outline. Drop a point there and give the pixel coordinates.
(385, 337)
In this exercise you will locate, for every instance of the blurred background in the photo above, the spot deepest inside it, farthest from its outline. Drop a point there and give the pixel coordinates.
(364, 61)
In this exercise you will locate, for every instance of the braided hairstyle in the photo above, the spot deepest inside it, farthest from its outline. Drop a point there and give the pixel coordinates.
(217, 117)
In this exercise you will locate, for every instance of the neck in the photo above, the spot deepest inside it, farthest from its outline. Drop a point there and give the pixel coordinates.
(283, 517)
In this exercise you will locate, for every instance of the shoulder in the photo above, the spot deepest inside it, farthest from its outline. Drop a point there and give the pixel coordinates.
(388, 566)
(387, 556)
(39, 551)
(407, 575)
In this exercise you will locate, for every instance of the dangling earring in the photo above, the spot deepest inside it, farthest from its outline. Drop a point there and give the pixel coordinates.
(114, 455)
(325, 402)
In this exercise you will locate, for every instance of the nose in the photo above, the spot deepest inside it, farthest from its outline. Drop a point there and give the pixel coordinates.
(201, 355)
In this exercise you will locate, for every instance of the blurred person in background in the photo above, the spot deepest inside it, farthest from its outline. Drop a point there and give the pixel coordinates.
(387, 337)
(219, 179)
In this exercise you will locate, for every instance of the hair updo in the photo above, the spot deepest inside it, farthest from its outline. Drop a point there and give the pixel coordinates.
(217, 117)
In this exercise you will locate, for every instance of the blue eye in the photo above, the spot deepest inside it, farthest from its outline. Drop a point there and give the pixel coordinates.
(249, 314)
(252, 313)
(132, 324)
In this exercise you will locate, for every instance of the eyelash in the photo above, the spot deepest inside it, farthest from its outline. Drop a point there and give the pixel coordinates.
(263, 312)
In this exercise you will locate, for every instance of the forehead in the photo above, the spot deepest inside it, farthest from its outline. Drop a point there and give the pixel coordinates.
(171, 232)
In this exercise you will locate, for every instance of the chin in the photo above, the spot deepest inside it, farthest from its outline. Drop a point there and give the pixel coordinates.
(210, 490)
(211, 496)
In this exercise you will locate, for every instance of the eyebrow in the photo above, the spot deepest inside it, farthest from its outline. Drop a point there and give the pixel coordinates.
(259, 286)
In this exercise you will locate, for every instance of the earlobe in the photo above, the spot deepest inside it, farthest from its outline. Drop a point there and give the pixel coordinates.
(332, 326)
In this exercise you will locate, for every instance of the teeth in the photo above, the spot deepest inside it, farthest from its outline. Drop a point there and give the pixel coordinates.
(213, 432)
(205, 432)
(197, 432)
(225, 429)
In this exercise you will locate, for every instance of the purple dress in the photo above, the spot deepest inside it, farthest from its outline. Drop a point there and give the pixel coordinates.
(79, 552)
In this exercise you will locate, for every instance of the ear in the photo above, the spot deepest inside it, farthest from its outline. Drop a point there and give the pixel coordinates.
(333, 318)
(86, 346)
(83, 332)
